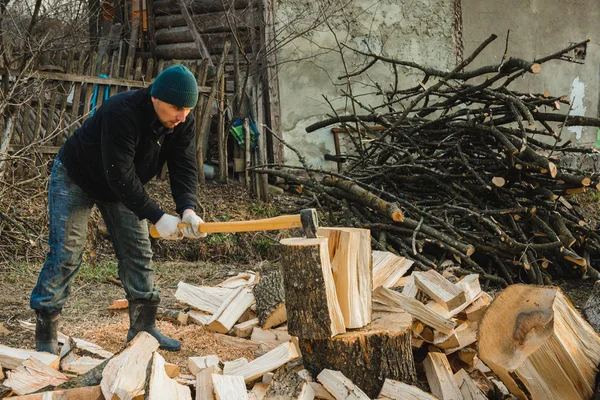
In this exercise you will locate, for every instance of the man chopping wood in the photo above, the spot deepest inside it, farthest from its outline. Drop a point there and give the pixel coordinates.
(106, 163)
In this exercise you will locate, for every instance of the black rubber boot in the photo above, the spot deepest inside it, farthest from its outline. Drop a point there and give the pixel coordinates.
(142, 317)
(46, 327)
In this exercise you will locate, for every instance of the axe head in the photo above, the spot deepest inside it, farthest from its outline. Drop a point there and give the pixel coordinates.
(310, 222)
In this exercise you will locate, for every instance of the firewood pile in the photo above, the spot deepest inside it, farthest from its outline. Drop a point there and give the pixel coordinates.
(461, 168)
(338, 321)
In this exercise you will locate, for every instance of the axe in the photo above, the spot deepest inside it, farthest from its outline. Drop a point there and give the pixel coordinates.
(307, 220)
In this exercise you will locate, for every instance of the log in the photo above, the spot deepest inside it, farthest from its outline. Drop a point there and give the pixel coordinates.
(125, 374)
(388, 268)
(32, 376)
(210, 22)
(244, 329)
(539, 345)
(159, 386)
(273, 337)
(366, 356)
(270, 299)
(188, 50)
(258, 391)
(312, 306)
(395, 390)
(591, 308)
(468, 388)
(197, 7)
(351, 262)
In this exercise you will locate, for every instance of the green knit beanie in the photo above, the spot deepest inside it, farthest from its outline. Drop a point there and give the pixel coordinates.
(176, 85)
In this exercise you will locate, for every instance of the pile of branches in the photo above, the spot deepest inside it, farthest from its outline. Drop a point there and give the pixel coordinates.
(466, 174)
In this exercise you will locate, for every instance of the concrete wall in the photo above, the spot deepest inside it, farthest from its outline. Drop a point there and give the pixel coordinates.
(539, 28)
(310, 60)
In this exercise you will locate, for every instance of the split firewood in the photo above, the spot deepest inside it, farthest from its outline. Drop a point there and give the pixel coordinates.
(320, 391)
(125, 374)
(32, 376)
(415, 308)
(539, 345)
(270, 299)
(174, 316)
(7, 392)
(467, 386)
(241, 279)
(440, 289)
(410, 289)
(159, 386)
(311, 301)
(172, 370)
(395, 390)
(273, 337)
(11, 358)
(78, 365)
(203, 298)
(244, 329)
(472, 290)
(366, 356)
(197, 364)
(228, 387)
(199, 317)
(72, 359)
(119, 304)
(234, 365)
(267, 378)
(82, 393)
(231, 310)
(462, 336)
(440, 377)
(287, 384)
(475, 310)
(204, 383)
(269, 362)
(339, 386)
(258, 392)
(352, 265)
(389, 268)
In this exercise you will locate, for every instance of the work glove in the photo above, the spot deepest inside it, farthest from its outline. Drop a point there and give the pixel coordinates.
(194, 221)
(167, 227)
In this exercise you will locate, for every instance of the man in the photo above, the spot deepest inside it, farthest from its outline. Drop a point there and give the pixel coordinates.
(106, 163)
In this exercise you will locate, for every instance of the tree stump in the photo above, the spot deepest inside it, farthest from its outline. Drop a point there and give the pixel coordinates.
(539, 345)
(366, 356)
(312, 307)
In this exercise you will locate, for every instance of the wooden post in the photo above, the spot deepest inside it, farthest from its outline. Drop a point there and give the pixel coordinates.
(222, 135)
(247, 156)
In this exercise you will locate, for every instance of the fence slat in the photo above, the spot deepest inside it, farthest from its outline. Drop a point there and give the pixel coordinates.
(75, 123)
(101, 88)
(89, 89)
(115, 67)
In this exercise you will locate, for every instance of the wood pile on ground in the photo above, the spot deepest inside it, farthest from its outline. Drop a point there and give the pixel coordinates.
(460, 167)
(338, 321)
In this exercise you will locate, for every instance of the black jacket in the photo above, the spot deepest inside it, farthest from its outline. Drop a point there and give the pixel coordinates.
(124, 145)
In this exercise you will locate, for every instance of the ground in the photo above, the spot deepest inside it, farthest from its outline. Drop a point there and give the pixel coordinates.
(212, 260)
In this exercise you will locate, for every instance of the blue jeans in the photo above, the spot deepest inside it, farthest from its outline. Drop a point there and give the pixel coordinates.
(69, 211)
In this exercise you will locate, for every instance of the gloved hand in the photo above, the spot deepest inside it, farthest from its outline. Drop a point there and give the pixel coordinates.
(190, 217)
(167, 227)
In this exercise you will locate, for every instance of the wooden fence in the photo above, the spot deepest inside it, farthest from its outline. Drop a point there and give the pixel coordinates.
(55, 99)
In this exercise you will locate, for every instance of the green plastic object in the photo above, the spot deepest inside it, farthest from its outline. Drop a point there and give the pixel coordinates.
(597, 144)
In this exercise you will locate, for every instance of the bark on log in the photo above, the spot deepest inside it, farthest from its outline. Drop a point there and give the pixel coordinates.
(312, 307)
(270, 299)
(539, 345)
(366, 356)
(197, 7)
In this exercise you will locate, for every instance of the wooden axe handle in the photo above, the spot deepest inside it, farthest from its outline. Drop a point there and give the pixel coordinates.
(267, 224)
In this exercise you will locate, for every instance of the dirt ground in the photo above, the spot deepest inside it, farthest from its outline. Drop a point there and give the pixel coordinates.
(202, 262)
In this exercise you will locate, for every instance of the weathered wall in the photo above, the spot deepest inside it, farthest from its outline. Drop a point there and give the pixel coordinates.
(539, 28)
(310, 60)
